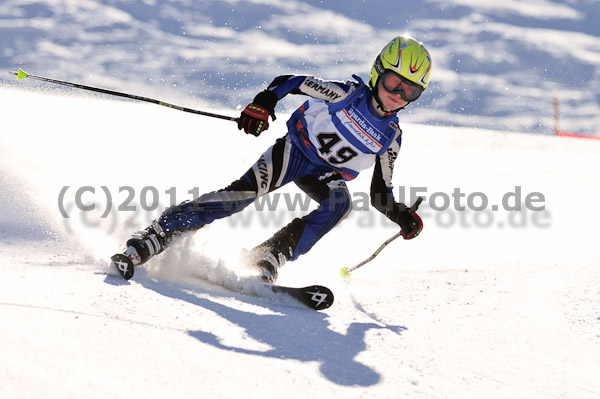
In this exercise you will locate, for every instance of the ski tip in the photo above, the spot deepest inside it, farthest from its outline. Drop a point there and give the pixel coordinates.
(21, 74)
(321, 297)
(124, 265)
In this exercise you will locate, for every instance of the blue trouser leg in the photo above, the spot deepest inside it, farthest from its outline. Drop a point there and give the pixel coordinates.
(206, 209)
(331, 211)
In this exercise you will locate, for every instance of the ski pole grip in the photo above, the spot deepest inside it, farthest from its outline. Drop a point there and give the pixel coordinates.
(415, 206)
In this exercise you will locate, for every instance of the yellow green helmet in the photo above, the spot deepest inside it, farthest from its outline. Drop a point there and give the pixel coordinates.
(405, 56)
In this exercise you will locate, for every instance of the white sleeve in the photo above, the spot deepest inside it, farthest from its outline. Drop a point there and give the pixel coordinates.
(330, 91)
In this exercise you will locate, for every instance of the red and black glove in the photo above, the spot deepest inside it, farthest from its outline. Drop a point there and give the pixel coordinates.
(255, 117)
(410, 223)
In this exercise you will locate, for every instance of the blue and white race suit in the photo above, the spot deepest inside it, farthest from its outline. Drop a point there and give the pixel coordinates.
(333, 136)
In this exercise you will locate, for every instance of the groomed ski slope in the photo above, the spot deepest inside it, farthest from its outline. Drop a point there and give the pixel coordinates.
(482, 305)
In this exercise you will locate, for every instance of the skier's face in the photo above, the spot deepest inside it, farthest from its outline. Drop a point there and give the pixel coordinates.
(397, 84)
(390, 101)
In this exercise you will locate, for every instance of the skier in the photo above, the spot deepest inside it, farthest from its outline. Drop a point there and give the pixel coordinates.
(343, 128)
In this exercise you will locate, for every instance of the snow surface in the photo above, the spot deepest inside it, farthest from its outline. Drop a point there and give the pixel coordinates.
(496, 64)
(482, 304)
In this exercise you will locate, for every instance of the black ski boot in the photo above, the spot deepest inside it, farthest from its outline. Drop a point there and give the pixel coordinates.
(273, 253)
(267, 262)
(145, 244)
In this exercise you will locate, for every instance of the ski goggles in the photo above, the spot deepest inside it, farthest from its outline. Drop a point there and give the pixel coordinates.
(396, 84)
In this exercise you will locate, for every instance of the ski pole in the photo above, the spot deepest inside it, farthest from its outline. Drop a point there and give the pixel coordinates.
(22, 75)
(346, 272)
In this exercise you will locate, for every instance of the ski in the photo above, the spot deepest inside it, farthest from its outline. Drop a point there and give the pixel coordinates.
(123, 264)
(315, 297)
